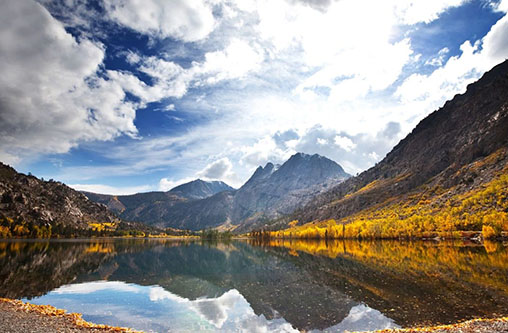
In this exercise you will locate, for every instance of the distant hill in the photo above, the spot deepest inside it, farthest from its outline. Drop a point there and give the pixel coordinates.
(450, 172)
(200, 189)
(28, 201)
(153, 207)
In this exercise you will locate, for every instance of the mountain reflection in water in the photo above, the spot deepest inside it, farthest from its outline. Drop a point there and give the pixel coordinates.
(279, 285)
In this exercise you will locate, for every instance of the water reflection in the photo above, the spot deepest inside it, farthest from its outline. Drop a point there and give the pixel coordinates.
(151, 308)
(279, 285)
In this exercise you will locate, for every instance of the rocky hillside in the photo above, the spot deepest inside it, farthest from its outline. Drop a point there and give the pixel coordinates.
(457, 150)
(46, 203)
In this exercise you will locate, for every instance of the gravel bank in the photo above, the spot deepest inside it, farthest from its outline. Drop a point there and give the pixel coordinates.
(16, 316)
(472, 326)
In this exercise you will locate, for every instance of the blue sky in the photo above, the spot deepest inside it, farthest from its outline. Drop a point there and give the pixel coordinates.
(128, 96)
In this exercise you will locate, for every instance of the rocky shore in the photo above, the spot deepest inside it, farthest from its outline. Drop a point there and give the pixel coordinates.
(496, 325)
(18, 316)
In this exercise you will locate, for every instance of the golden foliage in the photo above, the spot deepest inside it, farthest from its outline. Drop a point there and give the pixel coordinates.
(104, 226)
(100, 248)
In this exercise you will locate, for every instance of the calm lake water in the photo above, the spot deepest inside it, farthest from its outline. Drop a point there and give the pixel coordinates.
(166, 285)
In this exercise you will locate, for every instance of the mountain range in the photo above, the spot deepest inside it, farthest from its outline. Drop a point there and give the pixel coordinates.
(272, 191)
(148, 207)
(452, 167)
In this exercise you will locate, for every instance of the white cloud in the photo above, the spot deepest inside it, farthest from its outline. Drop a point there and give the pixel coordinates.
(439, 59)
(113, 190)
(344, 142)
(321, 141)
(415, 11)
(218, 169)
(235, 61)
(166, 184)
(266, 150)
(373, 156)
(187, 20)
(170, 107)
(171, 80)
(502, 6)
(51, 98)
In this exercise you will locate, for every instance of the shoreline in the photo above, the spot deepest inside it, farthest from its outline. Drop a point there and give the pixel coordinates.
(16, 316)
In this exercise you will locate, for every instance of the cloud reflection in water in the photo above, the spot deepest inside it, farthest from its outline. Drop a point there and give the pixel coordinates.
(154, 309)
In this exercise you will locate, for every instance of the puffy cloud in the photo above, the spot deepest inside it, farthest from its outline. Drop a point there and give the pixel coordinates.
(235, 61)
(316, 4)
(495, 43)
(344, 143)
(268, 149)
(171, 80)
(51, 97)
(298, 87)
(217, 170)
(186, 20)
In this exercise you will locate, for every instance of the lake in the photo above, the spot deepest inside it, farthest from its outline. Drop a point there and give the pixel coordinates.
(284, 286)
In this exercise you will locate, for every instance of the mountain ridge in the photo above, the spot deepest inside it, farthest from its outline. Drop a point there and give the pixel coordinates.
(270, 192)
(460, 147)
(146, 207)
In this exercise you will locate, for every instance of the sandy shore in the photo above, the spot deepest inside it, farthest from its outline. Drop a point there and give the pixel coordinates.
(17, 316)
